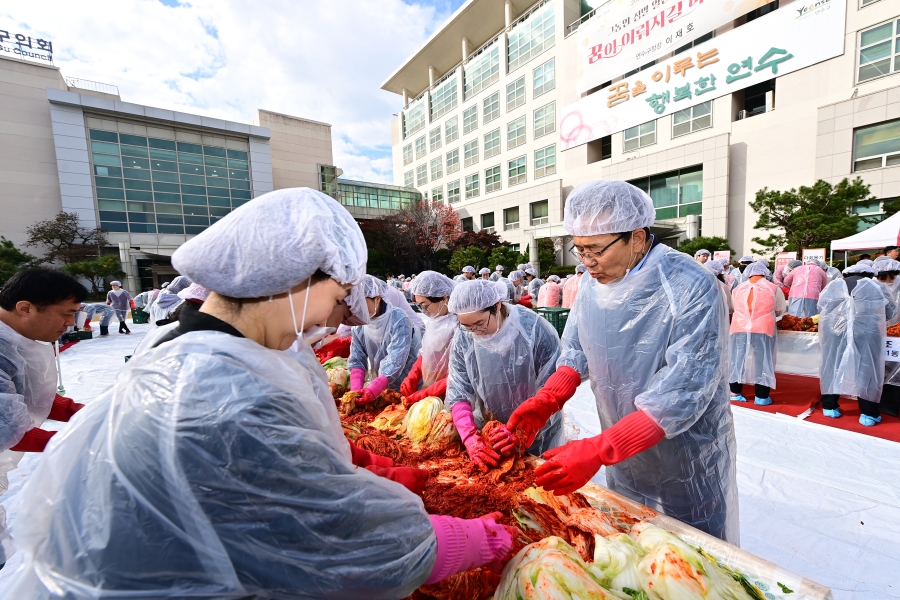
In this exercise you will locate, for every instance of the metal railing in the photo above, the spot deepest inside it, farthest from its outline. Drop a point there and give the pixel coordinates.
(94, 86)
(573, 27)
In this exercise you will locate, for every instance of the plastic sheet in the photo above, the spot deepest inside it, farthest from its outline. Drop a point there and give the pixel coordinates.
(797, 353)
(27, 384)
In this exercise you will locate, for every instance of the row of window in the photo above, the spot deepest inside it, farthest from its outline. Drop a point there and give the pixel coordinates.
(684, 122)
(540, 215)
(879, 51)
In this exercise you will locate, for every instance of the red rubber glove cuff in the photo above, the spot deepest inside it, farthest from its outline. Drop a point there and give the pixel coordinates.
(411, 383)
(409, 477)
(337, 347)
(632, 435)
(63, 408)
(364, 458)
(34, 440)
(438, 388)
(531, 416)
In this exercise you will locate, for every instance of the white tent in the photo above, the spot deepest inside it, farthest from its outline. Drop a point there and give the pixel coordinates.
(886, 233)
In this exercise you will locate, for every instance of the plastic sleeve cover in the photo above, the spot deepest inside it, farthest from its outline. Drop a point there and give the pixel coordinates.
(357, 358)
(14, 417)
(459, 387)
(393, 365)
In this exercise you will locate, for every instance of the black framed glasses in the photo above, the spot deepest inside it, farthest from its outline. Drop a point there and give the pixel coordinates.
(477, 328)
(595, 256)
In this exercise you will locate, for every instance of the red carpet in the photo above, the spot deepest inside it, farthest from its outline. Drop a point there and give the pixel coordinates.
(67, 345)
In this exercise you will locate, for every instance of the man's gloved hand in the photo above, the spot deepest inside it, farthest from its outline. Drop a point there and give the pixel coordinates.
(464, 544)
(571, 466)
(480, 451)
(438, 389)
(371, 391)
(411, 383)
(364, 458)
(337, 347)
(63, 408)
(357, 380)
(531, 416)
(34, 440)
(133, 307)
(87, 325)
(525, 301)
(411, 478)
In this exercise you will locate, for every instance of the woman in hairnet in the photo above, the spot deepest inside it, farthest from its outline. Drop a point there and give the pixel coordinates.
(213, 469)
(570, 287)
(501, 356)
(716, 268)
(534, 283)
(384, 350)
(431, 291)
(550, 294)
(517, 278)
(852, 332)
(806, 282)
(751, 343)
(649, 330)
(168, 300)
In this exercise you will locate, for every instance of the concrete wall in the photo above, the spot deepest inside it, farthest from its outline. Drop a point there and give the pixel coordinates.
(298, 146)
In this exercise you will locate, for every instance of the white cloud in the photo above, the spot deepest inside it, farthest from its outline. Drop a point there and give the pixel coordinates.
(319, 60)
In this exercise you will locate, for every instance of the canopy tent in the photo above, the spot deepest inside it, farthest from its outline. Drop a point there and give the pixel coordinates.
(886, 233)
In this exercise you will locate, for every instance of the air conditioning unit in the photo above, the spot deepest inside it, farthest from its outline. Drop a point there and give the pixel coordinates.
(742, 114)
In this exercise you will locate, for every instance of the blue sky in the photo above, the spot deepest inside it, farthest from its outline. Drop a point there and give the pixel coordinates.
(225, 58)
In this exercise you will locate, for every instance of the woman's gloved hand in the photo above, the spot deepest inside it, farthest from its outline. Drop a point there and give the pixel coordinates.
(531, 416)
(464, 544)
(34, 440)
(411, 383)
(480, 451)
(364, 458)
(357, 380)
(438, 389)
(336, 347)
(409, 477)
(63, 408)
(371, 391)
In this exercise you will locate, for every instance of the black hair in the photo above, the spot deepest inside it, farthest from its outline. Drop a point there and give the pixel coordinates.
(865, 257)
(492, 310)
(41, 287)
(436, 299)
(626, 235)
(888, 274)
(890, 248)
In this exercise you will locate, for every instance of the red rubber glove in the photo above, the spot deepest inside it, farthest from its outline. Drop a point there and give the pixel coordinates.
(409, 477)
(571, 466)
(480, 451)
(531, 416)
(364, 458)
(34, 440)
(63, 408)
(337, 347)
(411, 383)
(133, 306)
(525, 301)
(87, 325)
(373, 390)
(438, 388)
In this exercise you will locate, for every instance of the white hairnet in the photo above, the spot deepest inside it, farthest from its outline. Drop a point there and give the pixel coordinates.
(468, 269)
(500, 268)
(274, 243)
(763, 262)
(530, 271)
(701, 252)
(866, 261)
(580, 269)
(431, 284)
(373, 287)
(883, 264)
(820, 263)
(794, 264)
(195, 291)
(554, 278)
(118, 283)
(522, 267)
(746, 259)
(859, 268)
(756, 268)
(601, 207)
(475, 295)
(516, 276)
(484, 271)
(715, 266)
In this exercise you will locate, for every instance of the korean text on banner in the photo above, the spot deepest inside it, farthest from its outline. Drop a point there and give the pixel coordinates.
(721, 255)
(624, 34)
(892, 350)
(784, 258)
(811, 254)
(781, 42)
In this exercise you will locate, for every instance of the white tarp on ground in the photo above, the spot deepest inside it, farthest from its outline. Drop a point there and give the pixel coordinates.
(886, 233)
(821, 502)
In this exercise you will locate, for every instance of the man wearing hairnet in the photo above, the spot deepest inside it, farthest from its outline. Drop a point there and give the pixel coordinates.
(534, 283)
(649, 330)
(702, 255)
(468, 273)
(570, 287)
(550, 294)
(485, 273)
(498, 273)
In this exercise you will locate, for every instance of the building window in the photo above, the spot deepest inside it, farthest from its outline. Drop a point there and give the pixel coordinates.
(515, 133)
(453, 194)
(409, 179)
(545, 78)
(414, 118)
(697, 42)
(443, 99)
(692, 119)
(540, 212)
(492, 181)
(517, 171)
(876, 146)
(437, 194)
(437, 170)
(472, 189)
(482, 70)
(598, 150)
(863, 3)
(511, 218)
(451, 129)
(407, 154)
(530, 36)
(467, 224)
(640, 136)
(545, 161)
(434, 139)
(515, 94)
(492, 143)
(421, 149)
(421, 175)
(877, 47)
(470, 119)
(376, 195)
(453, 161)
(545, 120)
(470, 152)
(491, 109)
(676, 193)
(487, 222)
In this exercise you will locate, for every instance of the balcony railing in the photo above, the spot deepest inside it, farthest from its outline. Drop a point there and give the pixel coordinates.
(94, 86)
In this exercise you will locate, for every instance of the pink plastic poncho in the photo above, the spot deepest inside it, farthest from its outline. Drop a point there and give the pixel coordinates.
(570, 290)
(550, 295)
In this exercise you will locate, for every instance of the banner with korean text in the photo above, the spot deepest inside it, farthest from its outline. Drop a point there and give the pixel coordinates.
(626, 34)
(781, 42)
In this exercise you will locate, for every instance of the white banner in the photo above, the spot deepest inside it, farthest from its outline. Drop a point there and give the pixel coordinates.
(721, 255)
(811, 254)
(623, 35)
(784, 41)
(892, 350)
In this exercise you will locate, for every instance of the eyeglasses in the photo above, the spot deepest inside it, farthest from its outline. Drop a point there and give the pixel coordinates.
(595, 256)
(477, 328)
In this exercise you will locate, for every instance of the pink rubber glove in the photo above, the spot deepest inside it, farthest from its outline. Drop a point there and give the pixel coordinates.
(480, 451)
(357, 379)
(375, 387)
(464, 544)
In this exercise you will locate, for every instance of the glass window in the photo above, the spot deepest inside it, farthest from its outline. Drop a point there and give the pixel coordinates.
(467, 223)
(443, 99)
(545, 78)
(675, 194)
(407, 154)
(487, 220)
(453, 192)
(515, 133)
(511, 218)
(545, 120)
(414, 118)
(876, 146)
(472, 187)
(162, 144)
(105, 136)
(437, 169)
(703, 38)
(421, 175)
(453, 161)
(421, 150)
(169, 155)
(640, 136)
(692, 119)
(470, 119)
(451, 129)
(531, 36)
(437, 194)
(190, 148)
(879, 47)
(105, 147)
(135, 151)
(540, 212)
(492, 143)
(492, 179)
(517, 172)
(482, 70)
(409, 179)
(434, 139)
(491, 109)
(515, 94)
(545, 161)
(470, 152)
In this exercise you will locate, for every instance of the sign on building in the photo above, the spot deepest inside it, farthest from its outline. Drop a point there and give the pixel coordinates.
(25, 46)
(784, 41)
(784, 258)
(721, 255)
(811, 254)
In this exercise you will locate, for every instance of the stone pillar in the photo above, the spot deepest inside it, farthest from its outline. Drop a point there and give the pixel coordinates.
(405, 99)
(430, 77)
(131, 282)
(533, 252)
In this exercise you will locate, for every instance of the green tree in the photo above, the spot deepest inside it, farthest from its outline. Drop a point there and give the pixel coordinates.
(891, 208)
(546, 255)
(506, 256)
(713, 244)
(809, 217)
(470, 256)
(67, 240)
(96, 270)
(12, 260)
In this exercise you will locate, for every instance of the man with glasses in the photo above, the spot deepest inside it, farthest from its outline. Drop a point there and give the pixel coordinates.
(650, 332)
